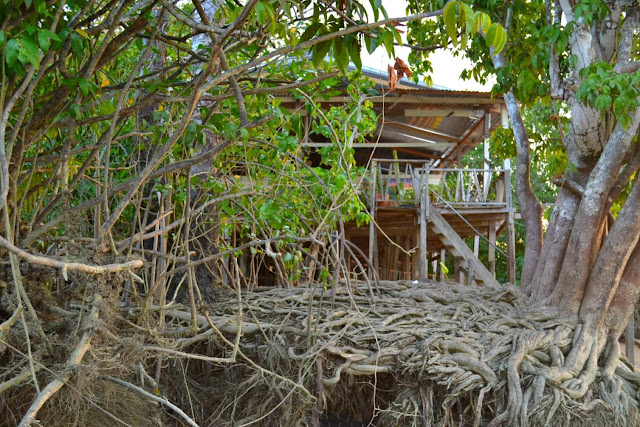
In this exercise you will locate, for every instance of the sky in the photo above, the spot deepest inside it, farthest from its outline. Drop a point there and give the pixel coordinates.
(446, 68)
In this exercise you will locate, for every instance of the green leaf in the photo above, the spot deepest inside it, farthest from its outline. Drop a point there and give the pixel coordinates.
(244, 134)
(445, 270)
(485, 21)
(85, 86)
(310, 32)
(341, 54)
(449, 18)
(30, 51)
(462, 17)
(44, 41)
(41, 6)
(261, 12)
(354, 53)
(77, 44)
(319, 52)
(387, 40)
(375, 6)
(287, 257)
(2, 38)
(491, 35)
(11, 52)
(372, 43)
(75, 111)
(496, 37)
(501, 39)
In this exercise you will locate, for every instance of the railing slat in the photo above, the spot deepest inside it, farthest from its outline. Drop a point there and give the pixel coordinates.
(469, 189)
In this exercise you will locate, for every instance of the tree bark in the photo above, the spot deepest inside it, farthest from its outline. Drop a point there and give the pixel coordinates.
(579, 254)
(530, 206)
(611, 262)
(623, 302)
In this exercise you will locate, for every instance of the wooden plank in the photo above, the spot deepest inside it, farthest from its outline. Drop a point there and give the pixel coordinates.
(424, 201)
(511, 249)
(420, 130)
(459, 248)
(411, 99)
(443, 113)
(386, 144)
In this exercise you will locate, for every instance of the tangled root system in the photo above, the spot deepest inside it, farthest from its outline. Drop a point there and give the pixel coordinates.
(405, 354)
(427, 354)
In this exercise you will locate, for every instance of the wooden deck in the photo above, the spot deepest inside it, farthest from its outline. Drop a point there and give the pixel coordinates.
(456, 205)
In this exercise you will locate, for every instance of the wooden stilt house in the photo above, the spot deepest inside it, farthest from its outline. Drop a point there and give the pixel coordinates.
(424, 206)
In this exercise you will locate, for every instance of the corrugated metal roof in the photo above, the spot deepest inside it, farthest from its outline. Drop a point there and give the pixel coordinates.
(448, 92)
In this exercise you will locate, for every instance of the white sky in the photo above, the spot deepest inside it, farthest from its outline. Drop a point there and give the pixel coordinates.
(446, 68)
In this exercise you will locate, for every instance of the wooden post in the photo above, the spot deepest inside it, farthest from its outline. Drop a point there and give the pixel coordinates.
(476, 245)
(372, 227)
(458, 275)
(443, 257)
(486, 152)
(629, 339)
(492, 248)
(423, 264)
(511, 232)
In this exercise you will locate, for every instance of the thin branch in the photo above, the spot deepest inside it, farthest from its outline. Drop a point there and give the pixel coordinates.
(154, 398)
(69, 266)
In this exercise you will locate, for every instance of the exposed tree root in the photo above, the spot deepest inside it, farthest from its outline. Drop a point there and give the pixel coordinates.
(427, 354)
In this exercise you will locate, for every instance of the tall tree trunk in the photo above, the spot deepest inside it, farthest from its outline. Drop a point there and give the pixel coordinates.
(580, 249)
(622, 305)
(612, 261)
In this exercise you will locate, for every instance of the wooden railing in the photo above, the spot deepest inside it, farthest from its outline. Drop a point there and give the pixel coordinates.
(472, 187)
(399, 183)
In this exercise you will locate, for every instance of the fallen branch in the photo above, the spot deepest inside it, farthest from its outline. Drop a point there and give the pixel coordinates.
(74, 359)
(68, 266)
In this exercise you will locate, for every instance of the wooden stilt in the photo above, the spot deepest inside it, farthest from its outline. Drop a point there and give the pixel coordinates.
(511, 249)
(458, 275)
(443, 257)
(476, 245)
(423, 264)
(511, 231)
(492, 248)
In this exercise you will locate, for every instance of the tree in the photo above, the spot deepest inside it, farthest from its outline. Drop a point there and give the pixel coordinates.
(581, 56)
(111, 109)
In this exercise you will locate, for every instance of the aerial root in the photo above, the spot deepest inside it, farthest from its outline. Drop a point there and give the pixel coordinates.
(431, 351)
(427, 354)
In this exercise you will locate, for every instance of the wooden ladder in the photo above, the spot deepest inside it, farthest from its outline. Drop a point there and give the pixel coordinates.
(469, 263)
